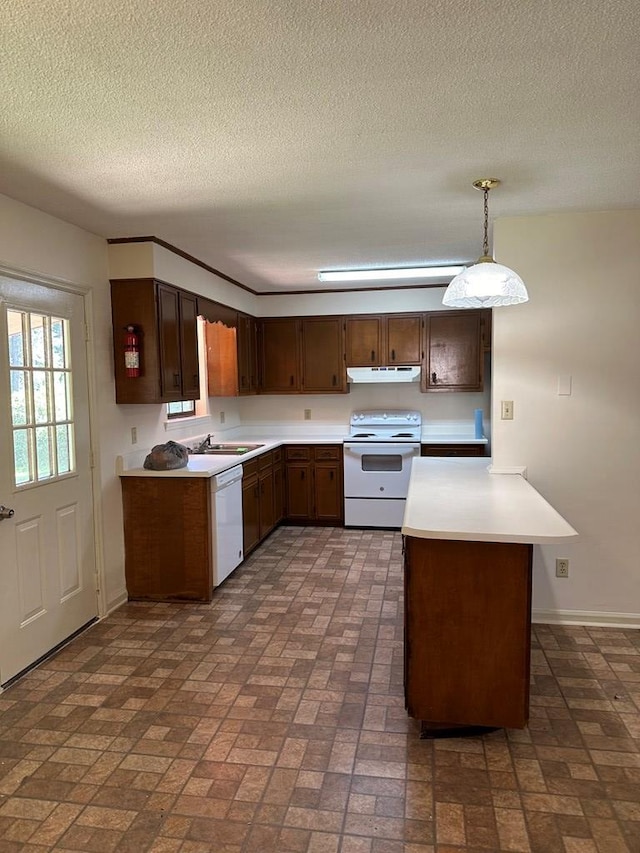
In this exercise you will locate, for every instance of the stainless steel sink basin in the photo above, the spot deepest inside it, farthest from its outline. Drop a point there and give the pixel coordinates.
(226, 449)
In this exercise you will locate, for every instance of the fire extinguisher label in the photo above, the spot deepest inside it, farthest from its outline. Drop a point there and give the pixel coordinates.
(131, 360)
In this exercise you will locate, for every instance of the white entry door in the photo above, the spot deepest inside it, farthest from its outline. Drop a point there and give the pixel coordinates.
(47, 554)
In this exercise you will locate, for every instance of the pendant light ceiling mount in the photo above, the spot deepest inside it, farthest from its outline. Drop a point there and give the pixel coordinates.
(486, 284)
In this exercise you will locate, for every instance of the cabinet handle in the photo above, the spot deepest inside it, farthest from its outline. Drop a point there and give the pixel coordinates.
(291, 380)
(302, 473)
(393, 355)
(176, 380)
(331, 475)
(195, 379)
(433, 377)
(335, 380)
(243, 381)
(373, 355)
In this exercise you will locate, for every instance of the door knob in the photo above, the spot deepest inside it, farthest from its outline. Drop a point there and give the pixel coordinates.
(5, 512)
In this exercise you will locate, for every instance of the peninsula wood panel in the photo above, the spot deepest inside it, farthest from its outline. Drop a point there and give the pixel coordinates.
(167, 533)
(467, 632)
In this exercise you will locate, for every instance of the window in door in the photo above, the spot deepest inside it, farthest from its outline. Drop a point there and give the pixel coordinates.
(41, 397)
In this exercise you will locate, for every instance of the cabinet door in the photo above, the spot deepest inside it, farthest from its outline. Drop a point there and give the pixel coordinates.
(169, 341)
(404, 339)
(364, 341)
(328, 492)
(188, 335)
(278, 491)
(267, 510)
(298, 485)
(250, 512)
(323, 355)
(247, 355)
(454, 360)
(279, 355)
(222, 360)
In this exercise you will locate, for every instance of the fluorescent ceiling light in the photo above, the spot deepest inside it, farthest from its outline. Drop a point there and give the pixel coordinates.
(387, 275)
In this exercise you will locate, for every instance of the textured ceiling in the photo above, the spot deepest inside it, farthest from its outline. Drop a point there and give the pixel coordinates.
(274, 138)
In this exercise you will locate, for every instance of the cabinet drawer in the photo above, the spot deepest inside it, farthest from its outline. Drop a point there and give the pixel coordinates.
(265, 460)
(452, 450)
(328, 451)
(277, 455)
(250, 468)
(299, 452)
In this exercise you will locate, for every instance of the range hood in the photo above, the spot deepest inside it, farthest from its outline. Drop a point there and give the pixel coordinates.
(358, 375)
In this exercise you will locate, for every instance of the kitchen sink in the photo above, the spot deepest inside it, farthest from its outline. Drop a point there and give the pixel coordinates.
(226, 449)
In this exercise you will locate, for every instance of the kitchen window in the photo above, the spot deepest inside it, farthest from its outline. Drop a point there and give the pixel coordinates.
(41, 397)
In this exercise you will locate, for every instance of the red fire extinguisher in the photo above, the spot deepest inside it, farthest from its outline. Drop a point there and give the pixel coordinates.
(131, 352)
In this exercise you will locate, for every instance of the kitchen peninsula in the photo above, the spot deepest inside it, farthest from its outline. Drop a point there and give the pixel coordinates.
(469, 537)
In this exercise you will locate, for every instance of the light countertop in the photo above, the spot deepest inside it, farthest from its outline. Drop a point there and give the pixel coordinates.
(451, 498)
(130, 464)
(209, 465)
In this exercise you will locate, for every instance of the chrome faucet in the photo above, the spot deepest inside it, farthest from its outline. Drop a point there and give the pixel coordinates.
(206, 442)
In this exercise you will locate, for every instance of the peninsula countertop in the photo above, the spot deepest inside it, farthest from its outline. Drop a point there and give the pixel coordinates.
(459, 499)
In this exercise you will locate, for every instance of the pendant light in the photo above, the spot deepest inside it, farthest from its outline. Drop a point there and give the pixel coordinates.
(486, 284)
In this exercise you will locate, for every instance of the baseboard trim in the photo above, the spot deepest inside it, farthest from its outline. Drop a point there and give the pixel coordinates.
(118, 601)
(588, 618)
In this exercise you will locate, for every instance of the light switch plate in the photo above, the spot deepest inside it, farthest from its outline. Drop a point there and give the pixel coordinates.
(507, 410)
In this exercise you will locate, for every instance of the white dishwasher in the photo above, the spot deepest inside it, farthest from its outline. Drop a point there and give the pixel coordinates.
(226, 522)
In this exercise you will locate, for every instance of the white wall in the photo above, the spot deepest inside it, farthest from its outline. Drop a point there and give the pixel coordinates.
(364, 302)
(336, 408)
(582, 451)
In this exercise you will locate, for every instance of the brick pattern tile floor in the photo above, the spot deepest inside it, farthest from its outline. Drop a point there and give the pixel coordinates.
(272, 721)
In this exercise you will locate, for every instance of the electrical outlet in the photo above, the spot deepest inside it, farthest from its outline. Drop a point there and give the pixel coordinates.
(134, 435)
(562, 568)
(507, 410)
(307, 414)
(222, 417)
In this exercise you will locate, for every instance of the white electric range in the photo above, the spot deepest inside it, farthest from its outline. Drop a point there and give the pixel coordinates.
(377, 465)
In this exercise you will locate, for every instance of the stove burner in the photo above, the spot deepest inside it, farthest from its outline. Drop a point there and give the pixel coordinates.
(402, 435)
(364, 435)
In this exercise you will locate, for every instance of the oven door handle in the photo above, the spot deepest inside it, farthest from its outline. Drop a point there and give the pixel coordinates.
(363, 448)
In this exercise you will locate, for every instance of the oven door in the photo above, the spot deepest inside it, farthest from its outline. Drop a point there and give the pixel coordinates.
(373, 470)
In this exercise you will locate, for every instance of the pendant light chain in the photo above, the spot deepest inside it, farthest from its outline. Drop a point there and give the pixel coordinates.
(485, 244)
(485, 284)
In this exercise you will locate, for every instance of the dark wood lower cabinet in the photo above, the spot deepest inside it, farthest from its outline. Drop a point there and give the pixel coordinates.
(250, 507)
(467, 632)
(313, 484)
(167, 536)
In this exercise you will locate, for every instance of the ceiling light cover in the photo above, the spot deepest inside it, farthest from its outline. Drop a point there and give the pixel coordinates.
(486, 284)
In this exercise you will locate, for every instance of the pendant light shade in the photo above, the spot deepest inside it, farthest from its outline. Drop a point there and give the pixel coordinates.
(486, 284)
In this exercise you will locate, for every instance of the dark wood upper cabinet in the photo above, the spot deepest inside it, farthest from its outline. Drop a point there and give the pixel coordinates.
(384, 340)
(165, 318)
(188, 337)
(323, 368)
(279, 355)
(453, 352)
(247, 348)
(404, 339)
(364, 341)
